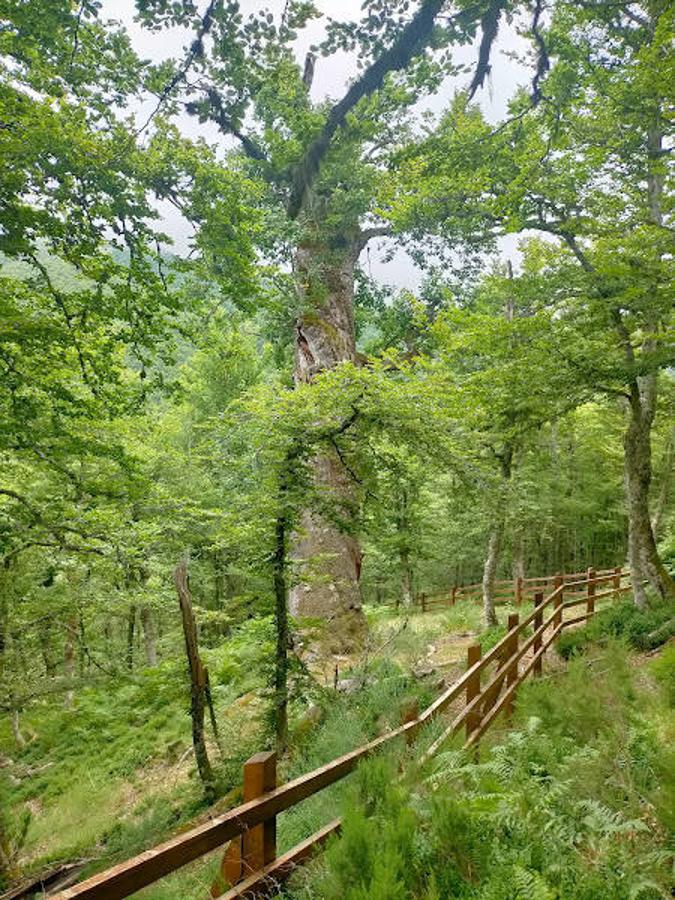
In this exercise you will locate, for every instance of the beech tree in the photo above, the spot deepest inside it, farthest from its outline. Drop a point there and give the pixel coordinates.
(322, 165)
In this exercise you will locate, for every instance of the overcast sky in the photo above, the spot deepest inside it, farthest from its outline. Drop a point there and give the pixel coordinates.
(330, 79)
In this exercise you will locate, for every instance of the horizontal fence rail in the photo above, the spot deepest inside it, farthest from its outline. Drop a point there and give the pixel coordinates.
(250, 863)
(515, 590)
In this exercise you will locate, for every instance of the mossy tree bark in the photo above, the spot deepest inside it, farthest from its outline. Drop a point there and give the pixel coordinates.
(324, 338)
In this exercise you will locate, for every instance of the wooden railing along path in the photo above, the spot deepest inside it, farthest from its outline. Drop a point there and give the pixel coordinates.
(506, 590)
(250, 862)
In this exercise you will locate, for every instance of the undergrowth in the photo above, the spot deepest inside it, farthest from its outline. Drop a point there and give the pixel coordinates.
(574, 803)
(642, 629)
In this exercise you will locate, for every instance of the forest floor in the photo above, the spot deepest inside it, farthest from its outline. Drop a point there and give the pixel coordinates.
(116, 774)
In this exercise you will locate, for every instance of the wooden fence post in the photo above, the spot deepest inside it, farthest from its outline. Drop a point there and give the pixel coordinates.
(255, 848)
(512, 671)
(557, 603)
(518, 590)
(260, 842)
(538, 622)
(473, 654)
(590, 602)
(617, 578)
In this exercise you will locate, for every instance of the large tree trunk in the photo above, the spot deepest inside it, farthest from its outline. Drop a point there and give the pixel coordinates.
(324, 337)
(198, 679)
(643, 555)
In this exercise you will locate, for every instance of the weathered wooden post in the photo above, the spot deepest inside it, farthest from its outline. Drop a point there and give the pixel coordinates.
(259, 845)
(616, 581)
(512, 670)
(256, 848)
(538, 622)
(454, 595)
(518, 590)
(473, 654)
(590, 602)
(410, 711)
(558, 600)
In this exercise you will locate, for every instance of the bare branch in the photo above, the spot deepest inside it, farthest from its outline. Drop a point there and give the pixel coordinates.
(196, 50)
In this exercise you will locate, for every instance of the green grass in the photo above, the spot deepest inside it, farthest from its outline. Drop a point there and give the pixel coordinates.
(575, 802)
(116, 774)
(642, 629)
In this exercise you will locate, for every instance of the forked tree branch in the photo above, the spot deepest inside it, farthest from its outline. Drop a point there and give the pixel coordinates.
(412, 39)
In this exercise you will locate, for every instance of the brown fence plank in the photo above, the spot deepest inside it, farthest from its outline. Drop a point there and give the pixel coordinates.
(280, 870)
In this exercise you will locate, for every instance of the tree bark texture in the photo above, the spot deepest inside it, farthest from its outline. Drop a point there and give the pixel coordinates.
(324, 337)
(490, 569)
(496, 538)
(198, 679)
(643, 554)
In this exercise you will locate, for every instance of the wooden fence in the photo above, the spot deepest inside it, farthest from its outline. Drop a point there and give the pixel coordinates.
(514, 590)
(487, 687)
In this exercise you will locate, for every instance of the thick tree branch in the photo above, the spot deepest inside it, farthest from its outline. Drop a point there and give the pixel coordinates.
(368, 234)
(489, 25)
(411, 41)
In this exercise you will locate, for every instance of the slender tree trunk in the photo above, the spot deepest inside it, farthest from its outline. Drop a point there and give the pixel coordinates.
(279, 573)
(324, 337)
(496, 537)
(407, 578)
(519, 556)
(131, 632)
(149, 636)
(643, 555)
(490, 569)
(198, 679)
(69, 657)
(664, 490)
(405, 564)
(16, 729)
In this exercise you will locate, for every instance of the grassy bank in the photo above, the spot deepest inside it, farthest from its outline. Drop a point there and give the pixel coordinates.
(575, 802)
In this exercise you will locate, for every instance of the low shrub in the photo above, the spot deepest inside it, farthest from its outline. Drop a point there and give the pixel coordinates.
(663, 669)
(641, 629)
